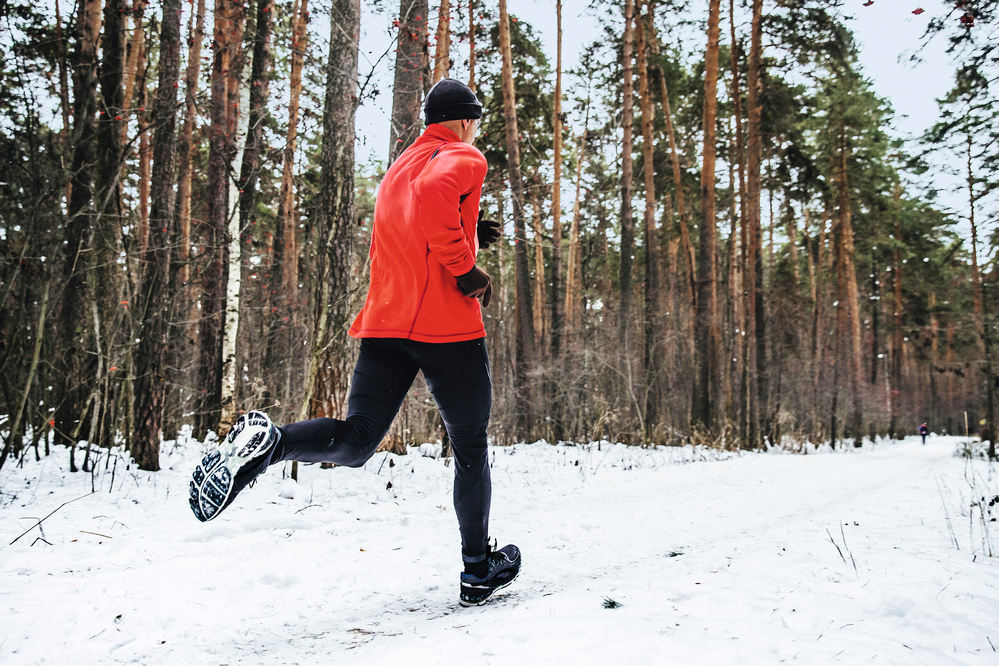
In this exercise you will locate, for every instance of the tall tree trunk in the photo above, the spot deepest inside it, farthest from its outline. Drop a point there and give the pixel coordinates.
(145, 154)
(707, 282)
(64, 107)
(539, 266)
(876, 321)
(556, 281)
(196, 32)
(260, 71)
(976, 275)
(573, 287)
(72, 314)
(326, 390)
(136, 49)
(213, 277)
(285, 323)
(754, 376)
(687, 333)
(526, 354)
(895, 383)
(238, 92)
(810, 249)
(848, 274)
(627, 186)
(650, 313)
(410, 64)
(978, 300)
(110, 129)
(239, 99)
(103, 271)
(742, 289)
(442, 51)
(154, 293)
(186, 339)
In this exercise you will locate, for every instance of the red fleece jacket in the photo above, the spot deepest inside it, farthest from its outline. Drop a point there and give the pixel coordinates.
(423, 237)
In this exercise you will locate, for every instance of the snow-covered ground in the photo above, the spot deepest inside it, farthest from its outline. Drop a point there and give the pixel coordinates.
(711, 559)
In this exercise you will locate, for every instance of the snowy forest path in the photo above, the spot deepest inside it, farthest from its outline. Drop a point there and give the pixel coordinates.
(755, 559)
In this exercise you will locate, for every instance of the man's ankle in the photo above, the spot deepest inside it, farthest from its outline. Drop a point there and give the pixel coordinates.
(478, 569)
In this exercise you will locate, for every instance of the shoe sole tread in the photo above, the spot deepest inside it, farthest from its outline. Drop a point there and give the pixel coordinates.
(212, 481)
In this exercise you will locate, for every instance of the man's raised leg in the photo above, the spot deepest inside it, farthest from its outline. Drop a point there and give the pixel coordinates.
(382, 376)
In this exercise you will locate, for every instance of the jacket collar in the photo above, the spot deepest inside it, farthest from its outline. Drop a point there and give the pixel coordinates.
(438, 131)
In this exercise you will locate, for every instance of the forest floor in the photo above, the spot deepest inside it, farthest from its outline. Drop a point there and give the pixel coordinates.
(871, 555)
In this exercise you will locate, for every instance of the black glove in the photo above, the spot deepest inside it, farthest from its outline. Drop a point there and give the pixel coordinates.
(488, 231)
(476, 283)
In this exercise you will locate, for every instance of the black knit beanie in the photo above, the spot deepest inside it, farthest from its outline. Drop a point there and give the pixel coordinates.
(451, 100)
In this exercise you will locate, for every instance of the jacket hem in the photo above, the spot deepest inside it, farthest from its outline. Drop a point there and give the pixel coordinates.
(418, 337)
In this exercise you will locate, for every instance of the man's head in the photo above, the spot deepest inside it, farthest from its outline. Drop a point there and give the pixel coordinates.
(453, 105)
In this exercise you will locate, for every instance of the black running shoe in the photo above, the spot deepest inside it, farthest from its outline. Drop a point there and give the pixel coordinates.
(504, 566)
(239, 459)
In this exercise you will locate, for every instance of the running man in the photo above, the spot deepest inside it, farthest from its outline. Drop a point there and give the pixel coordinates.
(924, 431)
(422, 313)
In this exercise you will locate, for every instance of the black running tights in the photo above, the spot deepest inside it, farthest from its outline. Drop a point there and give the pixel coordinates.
(459, 379)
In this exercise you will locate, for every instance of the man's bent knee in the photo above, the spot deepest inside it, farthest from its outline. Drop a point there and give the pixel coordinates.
(358, 445)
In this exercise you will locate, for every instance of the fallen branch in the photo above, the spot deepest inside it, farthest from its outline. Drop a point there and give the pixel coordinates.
(47, 517)
(837, 546)
(96, 534)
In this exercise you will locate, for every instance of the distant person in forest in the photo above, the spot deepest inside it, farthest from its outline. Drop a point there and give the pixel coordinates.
(924, 431)
(422, 313)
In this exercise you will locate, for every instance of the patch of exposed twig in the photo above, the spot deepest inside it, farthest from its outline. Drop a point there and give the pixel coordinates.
(38, 524)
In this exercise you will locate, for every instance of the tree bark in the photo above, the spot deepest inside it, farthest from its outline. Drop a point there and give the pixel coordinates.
(410, 64)
(326, 390)
(556, 281)
(849, 293)
(72, 313)
(627, 186)
(741, 290)
(573, 287)
(145, 155)
(214, 275)
(286, 308)
(196, 33)
(650, 311)
(819, 340)
(103, 270)
(978, 300)
(260, 72)
(895, 375)
(526, 354)
(109, 141)
(63, 89)
(442, 50)
(681, 200)
(239, 100)
(539, 266)
(136, 48)
(707, 282)
(287, 247)
(154, 293)
(754, 380)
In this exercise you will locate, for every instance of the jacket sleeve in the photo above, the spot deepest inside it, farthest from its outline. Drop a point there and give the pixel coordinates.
(453, 173)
